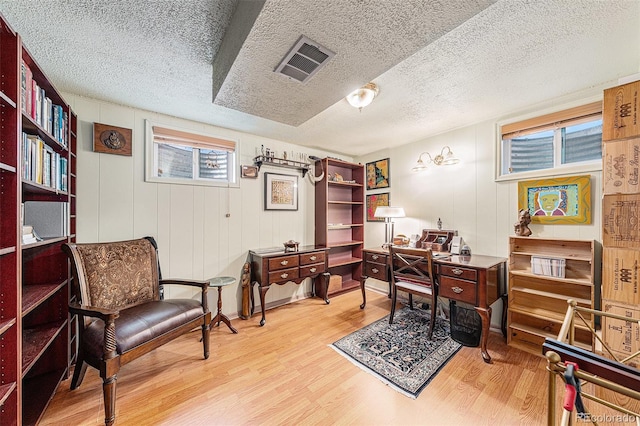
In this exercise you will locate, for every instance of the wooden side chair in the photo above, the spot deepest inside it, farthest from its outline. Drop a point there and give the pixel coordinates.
(121, 315)
(412, 272)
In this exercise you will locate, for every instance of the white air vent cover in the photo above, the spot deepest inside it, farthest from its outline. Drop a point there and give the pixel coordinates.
(305, 58)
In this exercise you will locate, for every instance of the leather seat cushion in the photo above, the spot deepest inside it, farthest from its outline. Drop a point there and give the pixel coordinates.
(142, 323)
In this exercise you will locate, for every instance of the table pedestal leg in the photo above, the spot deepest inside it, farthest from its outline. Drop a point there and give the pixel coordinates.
(220, 317)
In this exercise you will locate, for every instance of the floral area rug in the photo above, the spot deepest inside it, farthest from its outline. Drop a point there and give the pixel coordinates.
(400, 354)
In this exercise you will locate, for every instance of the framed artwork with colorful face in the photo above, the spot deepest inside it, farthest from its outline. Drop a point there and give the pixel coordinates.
(378, 174)
(564, 200)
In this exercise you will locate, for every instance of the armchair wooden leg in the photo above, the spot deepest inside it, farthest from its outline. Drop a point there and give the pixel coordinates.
(78, 372)
(109, 392)
(411, 301)
(434, 309)
(394, 292)
(205, 339)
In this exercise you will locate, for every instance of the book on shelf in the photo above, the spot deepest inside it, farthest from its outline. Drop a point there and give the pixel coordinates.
(42, 164)
(548, 266)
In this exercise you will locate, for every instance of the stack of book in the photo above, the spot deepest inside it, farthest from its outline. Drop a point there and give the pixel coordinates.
(29, 236)
(42, 165)
(548, 266)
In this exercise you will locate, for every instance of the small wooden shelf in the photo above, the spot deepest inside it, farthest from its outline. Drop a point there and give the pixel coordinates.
(542, 314)
(7, 100)
(35, 342)
(40, 388)
(6, 325)
(7, 250)
(344, 243)
(36, 188)
(5, 391)
(585, 281)
(346, 203)
(343, 226)
(33, 295)
(334, 263)
(7, 167)
(543, 334)
(44, 242)
(262, 160)
(568, 256)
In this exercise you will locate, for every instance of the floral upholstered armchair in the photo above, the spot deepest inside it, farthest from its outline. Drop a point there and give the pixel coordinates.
(121, 314)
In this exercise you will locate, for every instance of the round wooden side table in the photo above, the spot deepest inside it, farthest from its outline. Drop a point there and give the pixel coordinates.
(220, 282)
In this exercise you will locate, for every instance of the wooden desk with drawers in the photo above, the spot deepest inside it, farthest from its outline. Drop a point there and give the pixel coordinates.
(275, 266)
(478, 280)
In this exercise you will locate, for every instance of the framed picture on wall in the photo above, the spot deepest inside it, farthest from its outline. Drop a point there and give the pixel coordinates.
(373, 201)
(378, 174)
(564, 200)
(280, 192)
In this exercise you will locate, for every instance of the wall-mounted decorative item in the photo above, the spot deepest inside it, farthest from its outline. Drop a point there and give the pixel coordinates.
(373, 201)
(111, 139)
(249, 172)
(564, 200)
(280, 192)
(378, 174)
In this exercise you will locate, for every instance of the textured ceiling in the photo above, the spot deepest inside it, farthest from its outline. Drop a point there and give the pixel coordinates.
(440, 65)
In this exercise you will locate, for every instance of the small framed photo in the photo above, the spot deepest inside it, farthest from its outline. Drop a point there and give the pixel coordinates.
(249, 172)
(280, 192)
(373, 201)
(378, 174)
(111, 139)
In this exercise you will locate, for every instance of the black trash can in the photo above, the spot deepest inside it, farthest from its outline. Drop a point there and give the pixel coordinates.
(466, 325)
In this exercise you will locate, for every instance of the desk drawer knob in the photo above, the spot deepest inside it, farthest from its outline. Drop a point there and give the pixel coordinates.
(313, 258)
(457, 290)
(284, 262)
(284, 275)
(375, 270)
(313, 269)
(375, 257)
(457, 271)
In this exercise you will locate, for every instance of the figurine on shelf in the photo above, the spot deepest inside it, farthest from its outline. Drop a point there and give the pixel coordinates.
(521, 227)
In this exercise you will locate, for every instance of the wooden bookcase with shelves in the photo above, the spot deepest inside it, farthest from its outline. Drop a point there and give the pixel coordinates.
(538, 303)
(340, 221)
(36, 338)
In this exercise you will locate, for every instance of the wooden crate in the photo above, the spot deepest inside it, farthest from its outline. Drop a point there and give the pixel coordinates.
(620, 220)
(620, 275)
(623, 337)
(620, 113)
(620, 164)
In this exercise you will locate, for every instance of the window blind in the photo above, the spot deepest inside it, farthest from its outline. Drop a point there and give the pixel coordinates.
(162, 135)
(565, 118)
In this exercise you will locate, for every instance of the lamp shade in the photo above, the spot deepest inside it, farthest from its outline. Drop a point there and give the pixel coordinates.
(363, 96)
(387, 211)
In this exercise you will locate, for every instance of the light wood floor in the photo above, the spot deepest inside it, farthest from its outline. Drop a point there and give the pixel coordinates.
(286, 374)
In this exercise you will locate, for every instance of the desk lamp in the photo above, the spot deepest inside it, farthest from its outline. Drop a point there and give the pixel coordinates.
(388, 213)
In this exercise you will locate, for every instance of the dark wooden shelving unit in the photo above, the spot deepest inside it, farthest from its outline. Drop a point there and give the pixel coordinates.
(36, 331)
(340, 220)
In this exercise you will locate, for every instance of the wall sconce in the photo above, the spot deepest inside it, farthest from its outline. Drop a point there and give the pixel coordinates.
(388, 213)
(363, 96)
(441, 159)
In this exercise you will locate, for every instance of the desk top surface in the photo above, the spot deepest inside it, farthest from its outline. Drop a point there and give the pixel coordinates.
(279, 251)
(446, 258)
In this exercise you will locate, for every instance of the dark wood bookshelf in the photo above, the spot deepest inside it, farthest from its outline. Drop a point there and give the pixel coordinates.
(35, 281)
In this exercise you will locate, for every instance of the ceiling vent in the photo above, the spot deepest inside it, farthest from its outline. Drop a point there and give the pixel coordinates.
(305, 58)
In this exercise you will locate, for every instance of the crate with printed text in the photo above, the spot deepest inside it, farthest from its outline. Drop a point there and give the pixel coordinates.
(620, 275)
(620, 226)
(620, 166)
(622, 336)
(620, 112)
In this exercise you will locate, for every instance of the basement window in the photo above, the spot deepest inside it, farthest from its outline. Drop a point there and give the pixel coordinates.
(562, 142)
(183, 157)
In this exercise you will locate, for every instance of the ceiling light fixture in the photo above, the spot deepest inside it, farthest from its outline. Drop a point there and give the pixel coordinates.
(363, 96)
(441, 159)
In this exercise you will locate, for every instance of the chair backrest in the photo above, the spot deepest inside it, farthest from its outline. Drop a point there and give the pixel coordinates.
(412, 265)
(115, 275)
